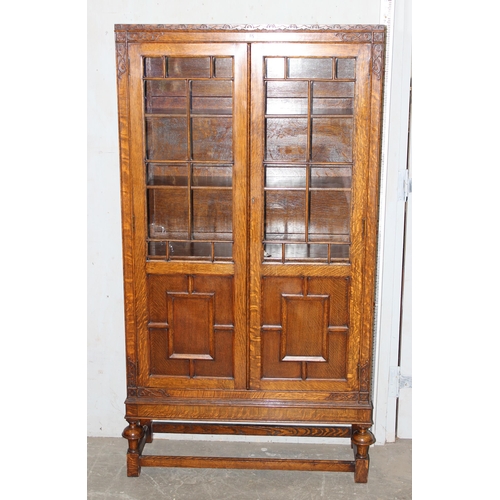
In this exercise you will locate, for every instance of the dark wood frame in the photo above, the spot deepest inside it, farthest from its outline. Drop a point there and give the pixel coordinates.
(260, 411)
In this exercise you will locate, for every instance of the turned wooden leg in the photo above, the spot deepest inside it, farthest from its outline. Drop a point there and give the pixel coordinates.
(361, 440)
(133, 433)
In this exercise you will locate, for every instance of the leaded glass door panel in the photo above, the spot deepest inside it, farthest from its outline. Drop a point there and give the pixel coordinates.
(190, 191)
(310, 116)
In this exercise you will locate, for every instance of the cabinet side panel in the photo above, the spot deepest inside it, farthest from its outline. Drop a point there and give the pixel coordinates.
(126, 206)
(372, 217)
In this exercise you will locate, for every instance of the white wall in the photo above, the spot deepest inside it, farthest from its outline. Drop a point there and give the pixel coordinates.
(106, 353)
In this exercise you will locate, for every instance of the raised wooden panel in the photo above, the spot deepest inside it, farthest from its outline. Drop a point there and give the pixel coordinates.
(160, 361)
(272, 365)
(272, 291)
(191, 326)
(336, 367)
(305, 328)
(338, 289)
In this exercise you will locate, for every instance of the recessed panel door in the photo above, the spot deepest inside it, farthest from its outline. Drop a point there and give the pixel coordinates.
(310, 115)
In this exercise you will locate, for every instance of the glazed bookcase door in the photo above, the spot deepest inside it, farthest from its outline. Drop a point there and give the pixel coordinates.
(310, 150)
(188, 168)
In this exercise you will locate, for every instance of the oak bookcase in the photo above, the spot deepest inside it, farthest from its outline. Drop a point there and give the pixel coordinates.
(249, 180)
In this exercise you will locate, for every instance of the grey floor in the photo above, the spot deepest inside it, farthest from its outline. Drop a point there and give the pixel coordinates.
(389, 477)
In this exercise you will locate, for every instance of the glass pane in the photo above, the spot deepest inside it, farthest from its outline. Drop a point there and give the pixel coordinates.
(306, 251)
(333, 89)
(285, 215)
(318, 67)
(286, 139)
(329, 213)
(168, 213)
(212, 214)
(287, 106)
(212, 176)
(212, 97)
(212, 138)
(164, 96)
(275, 67)
(157, 249)
(346, 68)
(166, 138)
(332, 106)
(167, 175)
(153, 67)
(223, 251)
(272, 252)
(186, 249)
(331, 177)
(188, 67)
(212, 105)
(332, 139)
(223, 67)
(286, 89)
(212, 88)
(286, 177)
(339, 252)
(287, 98)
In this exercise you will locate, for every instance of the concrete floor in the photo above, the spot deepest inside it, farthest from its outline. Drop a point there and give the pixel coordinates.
(390, 476)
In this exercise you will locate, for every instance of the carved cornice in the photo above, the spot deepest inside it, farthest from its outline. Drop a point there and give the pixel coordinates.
(249, 27)
(361, 33)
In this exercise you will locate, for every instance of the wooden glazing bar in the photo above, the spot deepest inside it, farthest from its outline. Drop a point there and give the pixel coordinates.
(252, 430)
(308, 158)
(247, 463)
(193, 78)
(190, 158)
(343, 115)
(176, 115)
(300, 163)
(201, 162)
(316, 79)
(279, 242)
(217, 188)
